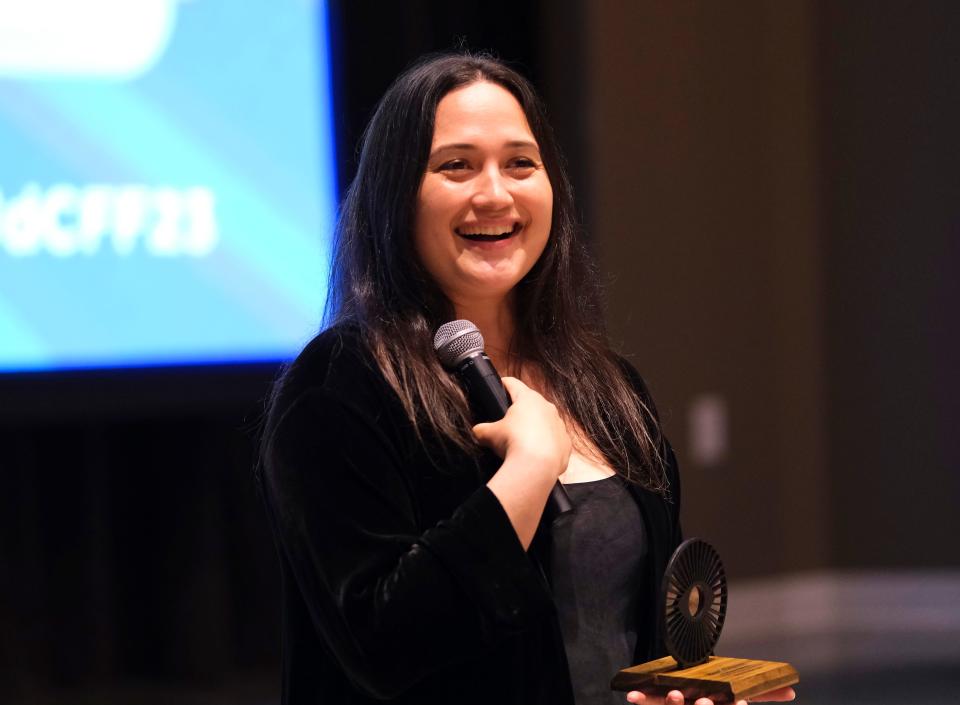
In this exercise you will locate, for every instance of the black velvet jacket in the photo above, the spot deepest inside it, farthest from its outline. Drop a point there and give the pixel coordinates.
(404, 582)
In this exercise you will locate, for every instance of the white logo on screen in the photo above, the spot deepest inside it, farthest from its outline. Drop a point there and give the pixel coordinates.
(114, 39)
(65, 220)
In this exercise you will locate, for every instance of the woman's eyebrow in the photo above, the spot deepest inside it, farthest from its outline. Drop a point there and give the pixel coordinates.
(513, 144)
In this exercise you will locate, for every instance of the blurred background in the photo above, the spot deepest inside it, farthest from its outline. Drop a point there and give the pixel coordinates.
(772, 192)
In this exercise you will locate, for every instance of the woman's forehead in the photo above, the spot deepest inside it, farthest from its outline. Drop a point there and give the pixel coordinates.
(480, 111)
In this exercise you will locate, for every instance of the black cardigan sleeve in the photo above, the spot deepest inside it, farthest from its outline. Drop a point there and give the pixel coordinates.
(390, 601)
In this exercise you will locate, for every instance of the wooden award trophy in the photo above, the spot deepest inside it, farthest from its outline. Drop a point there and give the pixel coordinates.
(692, 609)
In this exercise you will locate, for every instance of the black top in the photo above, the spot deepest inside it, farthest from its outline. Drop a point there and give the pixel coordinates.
(404, 581)
(598, 557)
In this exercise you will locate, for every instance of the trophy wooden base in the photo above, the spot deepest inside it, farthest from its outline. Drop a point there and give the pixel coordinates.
(722, 679)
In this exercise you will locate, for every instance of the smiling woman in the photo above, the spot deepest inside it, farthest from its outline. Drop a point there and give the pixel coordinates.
(417, 565)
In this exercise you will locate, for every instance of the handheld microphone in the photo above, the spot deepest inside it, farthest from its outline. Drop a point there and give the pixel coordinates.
(459, 346)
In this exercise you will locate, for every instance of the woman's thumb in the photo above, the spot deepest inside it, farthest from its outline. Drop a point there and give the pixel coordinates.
(482, 431)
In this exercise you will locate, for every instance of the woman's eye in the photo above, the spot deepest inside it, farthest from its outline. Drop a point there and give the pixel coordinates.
(454, 165)
(523, 163)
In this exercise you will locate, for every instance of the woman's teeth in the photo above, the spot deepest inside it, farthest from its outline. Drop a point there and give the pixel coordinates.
(487, 234)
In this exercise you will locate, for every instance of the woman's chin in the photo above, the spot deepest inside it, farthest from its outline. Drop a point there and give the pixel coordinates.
(494, 282)
(471, 289)
(496, 271)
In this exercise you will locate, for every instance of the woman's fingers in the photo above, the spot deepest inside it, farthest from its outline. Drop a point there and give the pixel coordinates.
(532, 430)
(514, 385)
(675, 697)
(486, 432)
(779, 695)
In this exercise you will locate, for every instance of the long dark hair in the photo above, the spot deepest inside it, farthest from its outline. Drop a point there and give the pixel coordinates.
(378, 283)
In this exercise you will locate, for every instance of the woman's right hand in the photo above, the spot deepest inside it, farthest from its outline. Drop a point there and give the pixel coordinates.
(535, 446)
(532, 429)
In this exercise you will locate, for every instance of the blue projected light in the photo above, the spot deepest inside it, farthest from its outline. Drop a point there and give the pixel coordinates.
(167, 187)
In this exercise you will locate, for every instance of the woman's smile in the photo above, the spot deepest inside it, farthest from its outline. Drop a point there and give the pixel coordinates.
(489, 236)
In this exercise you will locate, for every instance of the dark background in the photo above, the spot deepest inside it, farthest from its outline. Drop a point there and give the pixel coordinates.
(772, 191)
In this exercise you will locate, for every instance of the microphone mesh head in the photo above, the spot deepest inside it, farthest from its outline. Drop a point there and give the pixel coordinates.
(456, 340)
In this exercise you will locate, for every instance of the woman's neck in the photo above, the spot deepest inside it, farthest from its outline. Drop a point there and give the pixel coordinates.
(496, 324)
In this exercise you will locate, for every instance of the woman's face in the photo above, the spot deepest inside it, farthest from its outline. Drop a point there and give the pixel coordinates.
(485, 203)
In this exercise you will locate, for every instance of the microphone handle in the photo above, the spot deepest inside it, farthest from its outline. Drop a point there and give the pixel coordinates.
(489, 401)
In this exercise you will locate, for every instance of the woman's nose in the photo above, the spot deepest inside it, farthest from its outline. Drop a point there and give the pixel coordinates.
(492, 191)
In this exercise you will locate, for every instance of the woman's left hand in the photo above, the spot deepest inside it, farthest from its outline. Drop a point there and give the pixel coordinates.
(675, 697)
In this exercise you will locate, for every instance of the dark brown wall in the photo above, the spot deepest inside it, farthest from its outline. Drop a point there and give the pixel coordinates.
(769, 192)
(891, 196)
